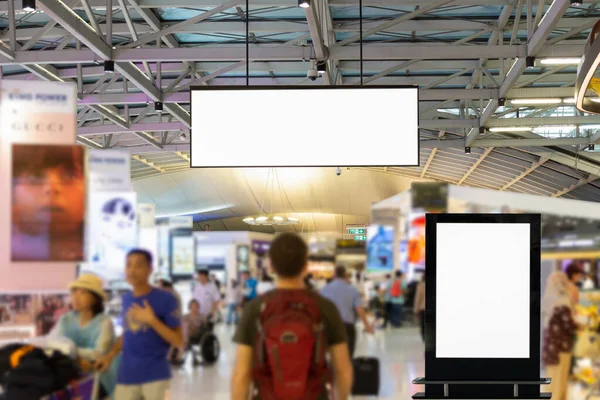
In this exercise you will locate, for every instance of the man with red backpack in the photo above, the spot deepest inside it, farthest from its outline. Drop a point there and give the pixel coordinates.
(395, 296)
(285, 335)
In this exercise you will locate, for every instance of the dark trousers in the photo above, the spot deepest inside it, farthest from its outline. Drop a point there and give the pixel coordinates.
(397, 315)
(422, 321)
(351, 333)
(387, 313)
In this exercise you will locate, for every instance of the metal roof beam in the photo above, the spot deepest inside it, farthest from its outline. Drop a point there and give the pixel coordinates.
(145, 4)
(288, 53)
(475, 165)
(76, 26)
(122, 29)
(424, 95)
(553, 15)
(173, 28)
(529, 170)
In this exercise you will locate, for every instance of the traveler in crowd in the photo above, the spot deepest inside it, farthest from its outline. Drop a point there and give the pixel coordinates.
(89, 328)
(192, 322)
(207, 295)
(249, 288)
(387, 303)
(266, 284)
(233, 299)
(349, 303)
(308, 282)
(559, 329)
(395, 297)
(575, 274)
(419, 305)
(311, 320)
(165, 283)
(152, 325)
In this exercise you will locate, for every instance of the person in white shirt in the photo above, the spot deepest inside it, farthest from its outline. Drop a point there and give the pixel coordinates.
(233, 299)
(266, 284)
(207, 294)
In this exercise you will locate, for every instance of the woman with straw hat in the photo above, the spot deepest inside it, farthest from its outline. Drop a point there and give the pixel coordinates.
(89, 327)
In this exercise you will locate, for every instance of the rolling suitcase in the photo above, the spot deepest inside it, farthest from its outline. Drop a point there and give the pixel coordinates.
(366, 376)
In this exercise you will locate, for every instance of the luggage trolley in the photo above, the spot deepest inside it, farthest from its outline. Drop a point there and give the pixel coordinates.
(87, 388)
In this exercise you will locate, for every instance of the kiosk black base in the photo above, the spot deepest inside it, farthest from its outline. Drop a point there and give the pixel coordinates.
(472, 390)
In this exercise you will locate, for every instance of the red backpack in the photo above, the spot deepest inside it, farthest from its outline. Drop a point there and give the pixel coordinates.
(396, 289)
(291, 345)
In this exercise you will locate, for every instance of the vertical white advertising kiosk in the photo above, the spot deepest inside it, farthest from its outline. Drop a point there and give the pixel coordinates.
(482, 307)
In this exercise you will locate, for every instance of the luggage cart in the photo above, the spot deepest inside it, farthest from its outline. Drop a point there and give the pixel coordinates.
(87, 388)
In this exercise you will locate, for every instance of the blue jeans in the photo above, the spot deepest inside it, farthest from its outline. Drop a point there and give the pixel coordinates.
(232, 314)
(397, 314)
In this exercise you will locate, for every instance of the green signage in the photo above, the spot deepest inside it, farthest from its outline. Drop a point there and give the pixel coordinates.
(357, 231)
(360, 237)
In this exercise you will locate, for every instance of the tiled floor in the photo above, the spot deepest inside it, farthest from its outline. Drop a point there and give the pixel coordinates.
(400, 352)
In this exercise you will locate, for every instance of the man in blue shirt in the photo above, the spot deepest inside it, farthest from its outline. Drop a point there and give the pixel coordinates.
(250, 285)
(349, 303)
(151, 323)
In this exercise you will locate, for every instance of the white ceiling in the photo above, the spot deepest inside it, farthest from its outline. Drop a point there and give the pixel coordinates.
(316, 195)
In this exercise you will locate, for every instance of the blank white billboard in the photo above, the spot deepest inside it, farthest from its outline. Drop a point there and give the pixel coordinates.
(482, 290)
(275, 127)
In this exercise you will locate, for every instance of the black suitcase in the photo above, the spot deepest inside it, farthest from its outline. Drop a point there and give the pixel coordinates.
(366, 376)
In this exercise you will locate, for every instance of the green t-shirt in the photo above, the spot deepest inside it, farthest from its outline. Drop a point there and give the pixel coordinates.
(335, 330)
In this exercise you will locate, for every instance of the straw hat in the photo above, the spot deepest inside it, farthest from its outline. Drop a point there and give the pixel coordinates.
(89, 282)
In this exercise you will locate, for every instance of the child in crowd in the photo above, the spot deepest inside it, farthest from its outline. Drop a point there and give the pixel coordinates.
(192, 323)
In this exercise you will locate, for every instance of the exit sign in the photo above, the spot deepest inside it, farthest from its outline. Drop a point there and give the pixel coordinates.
(360, 237)
(357, 231)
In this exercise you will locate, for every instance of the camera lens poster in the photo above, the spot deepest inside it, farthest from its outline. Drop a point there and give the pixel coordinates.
(113, 233)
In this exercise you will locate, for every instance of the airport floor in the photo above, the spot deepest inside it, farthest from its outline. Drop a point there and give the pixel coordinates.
(400, 352)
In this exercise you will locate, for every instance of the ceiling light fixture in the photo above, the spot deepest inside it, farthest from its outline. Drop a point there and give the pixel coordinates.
(271, 220)
(560, 61)
(271, 217)
(554, 128)
(467, 150)
(29, 5)
(511, 129)
(304, 3)
(158, 106)
(529, 62)
(322, 67)
(535, 101)
(570, 100)
(576, 3)
(109, 67)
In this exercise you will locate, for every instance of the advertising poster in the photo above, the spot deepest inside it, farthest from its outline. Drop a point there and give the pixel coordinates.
(33, 113)
(48, 203)
(183, 259)
(380, 248)
(416, 241)
(109, 171)
(27, 315)
(113, 233)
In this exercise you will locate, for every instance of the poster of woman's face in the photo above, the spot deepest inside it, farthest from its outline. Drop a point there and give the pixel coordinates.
(48, 203)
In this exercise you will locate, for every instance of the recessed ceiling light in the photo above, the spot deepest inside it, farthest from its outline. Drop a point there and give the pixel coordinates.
(560, 61)
(535, 101)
